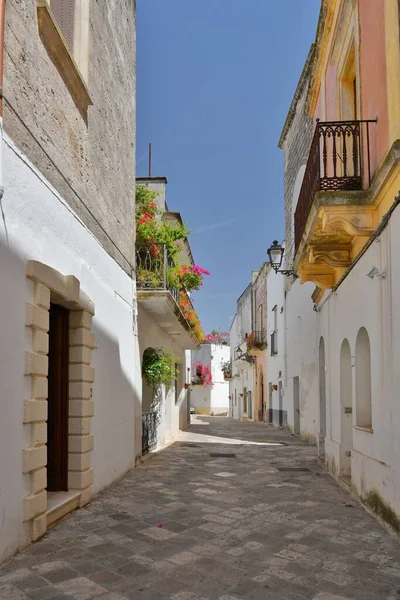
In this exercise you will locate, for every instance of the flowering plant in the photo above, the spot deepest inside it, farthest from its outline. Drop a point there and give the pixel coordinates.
(226, 368)
(203, 374)
(188, 277)
(153, 231)
(217, 337)
(150, 226)
(190, 315)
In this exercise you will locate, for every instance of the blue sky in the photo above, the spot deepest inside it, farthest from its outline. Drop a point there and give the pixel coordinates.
(215, 79)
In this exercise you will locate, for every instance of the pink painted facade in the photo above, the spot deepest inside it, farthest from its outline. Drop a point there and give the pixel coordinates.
(372, 100)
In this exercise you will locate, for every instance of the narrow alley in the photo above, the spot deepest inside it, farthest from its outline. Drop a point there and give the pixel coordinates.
(231, 510)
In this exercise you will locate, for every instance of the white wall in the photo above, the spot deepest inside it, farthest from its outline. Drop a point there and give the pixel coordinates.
(276, 362)
(213, 399)
(302, 358)
(172, 413)
(375, 305)
(37, 224)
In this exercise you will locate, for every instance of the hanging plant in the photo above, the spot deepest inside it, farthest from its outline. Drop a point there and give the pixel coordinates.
(159, 367)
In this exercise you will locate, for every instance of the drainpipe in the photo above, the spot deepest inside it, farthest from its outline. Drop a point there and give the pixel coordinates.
(2, 21)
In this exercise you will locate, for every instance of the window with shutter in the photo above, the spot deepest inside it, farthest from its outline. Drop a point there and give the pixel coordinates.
(64, 13)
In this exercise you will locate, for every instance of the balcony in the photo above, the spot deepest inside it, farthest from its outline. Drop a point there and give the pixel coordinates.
(257, 341)
(158, 297)
(333, 218)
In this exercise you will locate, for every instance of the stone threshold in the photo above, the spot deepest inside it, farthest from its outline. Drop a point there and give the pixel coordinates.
(60, 504)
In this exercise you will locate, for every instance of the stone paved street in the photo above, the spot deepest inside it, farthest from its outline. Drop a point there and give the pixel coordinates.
(263, 521)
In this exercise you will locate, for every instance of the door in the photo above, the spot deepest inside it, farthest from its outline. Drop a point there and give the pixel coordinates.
(280, 404)
(261, 392)
(57, 420)
(270, 407)
(296, 405)
(249, 405)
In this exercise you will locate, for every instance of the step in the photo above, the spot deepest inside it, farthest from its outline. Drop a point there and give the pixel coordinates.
(60, 504)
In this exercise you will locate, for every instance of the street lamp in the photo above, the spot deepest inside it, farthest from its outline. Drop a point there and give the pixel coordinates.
(275, 254)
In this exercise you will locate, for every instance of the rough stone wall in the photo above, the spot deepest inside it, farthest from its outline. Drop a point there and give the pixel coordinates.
(91, 165)
(296, 147)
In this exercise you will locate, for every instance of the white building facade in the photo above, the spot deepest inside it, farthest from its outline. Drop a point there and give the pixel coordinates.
(213, 398)
(69, 369)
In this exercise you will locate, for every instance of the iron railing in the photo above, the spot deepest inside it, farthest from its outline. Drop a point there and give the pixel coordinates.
(339, 159)
(152, 264)
(149, 431)
(257, 339)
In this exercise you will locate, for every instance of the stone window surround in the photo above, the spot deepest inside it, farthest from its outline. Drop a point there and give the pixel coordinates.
(62, 57)
(52, 286)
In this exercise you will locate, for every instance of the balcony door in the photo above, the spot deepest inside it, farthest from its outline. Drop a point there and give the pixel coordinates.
(349, 89)
(57, 420)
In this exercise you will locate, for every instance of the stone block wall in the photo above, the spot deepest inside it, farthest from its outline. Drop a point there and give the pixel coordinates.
(92, 165)
(296, 148)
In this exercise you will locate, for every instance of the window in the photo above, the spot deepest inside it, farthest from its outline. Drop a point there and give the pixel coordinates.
(64, 13)
(363, 380)
(274, 335)
(64, 31)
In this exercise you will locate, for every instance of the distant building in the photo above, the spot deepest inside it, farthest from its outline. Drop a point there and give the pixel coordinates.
(209, 386)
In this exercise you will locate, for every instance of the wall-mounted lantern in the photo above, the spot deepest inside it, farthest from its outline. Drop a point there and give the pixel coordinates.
(275, 254)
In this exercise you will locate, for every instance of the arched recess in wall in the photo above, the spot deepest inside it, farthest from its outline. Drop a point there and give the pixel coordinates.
(147, 390)
(322, 389)
(346, 406)
(363, 380)
(295, 196)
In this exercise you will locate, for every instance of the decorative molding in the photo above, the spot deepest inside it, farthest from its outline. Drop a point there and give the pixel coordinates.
(57, 49)
(332, 257)
(355, 220)
(49, 284)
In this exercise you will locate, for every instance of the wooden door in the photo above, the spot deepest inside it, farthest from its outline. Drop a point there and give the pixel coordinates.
(57, 420)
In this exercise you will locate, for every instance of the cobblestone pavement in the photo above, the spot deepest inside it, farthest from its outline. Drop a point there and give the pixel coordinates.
(257, 522)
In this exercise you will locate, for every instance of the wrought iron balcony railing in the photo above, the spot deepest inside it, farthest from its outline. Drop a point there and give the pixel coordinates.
(339, 159)
(152, 264)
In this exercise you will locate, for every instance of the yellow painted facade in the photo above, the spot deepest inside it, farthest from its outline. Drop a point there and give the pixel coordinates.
(341, 222)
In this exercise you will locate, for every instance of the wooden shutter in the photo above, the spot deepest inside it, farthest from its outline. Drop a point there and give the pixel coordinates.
(64, 12)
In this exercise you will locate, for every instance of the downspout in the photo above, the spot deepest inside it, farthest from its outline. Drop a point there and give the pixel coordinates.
(2, 22)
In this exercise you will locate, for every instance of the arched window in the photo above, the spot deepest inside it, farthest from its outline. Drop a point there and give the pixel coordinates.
(363, 380)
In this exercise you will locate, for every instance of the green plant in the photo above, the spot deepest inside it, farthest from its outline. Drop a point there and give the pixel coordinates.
(151, 226)
(159, 367)
(151, 279)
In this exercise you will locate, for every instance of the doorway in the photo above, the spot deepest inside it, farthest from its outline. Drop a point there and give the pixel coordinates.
(346, 409)
(261, 416)
(322, 399)
(58, 394)
(280, 404)
(270, 408)
(296, 405)
(249, 405)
